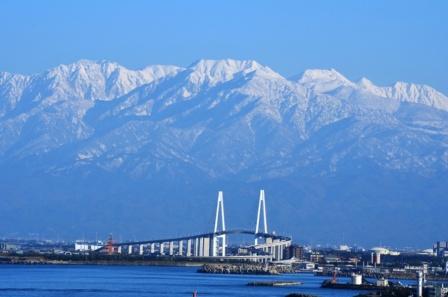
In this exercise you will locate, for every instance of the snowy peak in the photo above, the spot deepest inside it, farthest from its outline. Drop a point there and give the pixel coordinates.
(78, 85)
(415, 92)
(11, 89)
(407, 92)
(213, 72)
(11, 80)
(322, 75)
(323, 80)
(156, 72)
(365, 83)
(103, 79)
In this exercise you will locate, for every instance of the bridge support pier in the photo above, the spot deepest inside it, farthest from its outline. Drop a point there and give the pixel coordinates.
(206, 246)
(276, 250)
(130, 249)
(153, 248)
(171, 248)
(141, 249)
(196, 247)
(214, 245)
(201, 247)
(188, 247)
(224, 246)
(219, 245)
(162, 248)
(119, 249)
(181, 247)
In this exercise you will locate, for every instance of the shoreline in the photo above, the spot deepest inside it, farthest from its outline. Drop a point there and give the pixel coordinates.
(67, 260)
(392, 276)
(119, 260)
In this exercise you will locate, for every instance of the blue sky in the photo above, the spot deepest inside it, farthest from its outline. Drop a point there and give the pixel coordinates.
(385, 41)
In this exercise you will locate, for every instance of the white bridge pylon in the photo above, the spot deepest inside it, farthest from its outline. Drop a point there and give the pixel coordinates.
(220, 211)
(219, 241)
(261, 204)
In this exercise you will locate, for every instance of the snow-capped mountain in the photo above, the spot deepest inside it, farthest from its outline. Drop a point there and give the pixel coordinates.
(84, 79)
(224, 121)
(408, 92)
(48, 108)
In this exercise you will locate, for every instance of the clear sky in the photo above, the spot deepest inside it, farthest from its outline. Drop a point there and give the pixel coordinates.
(385, 40)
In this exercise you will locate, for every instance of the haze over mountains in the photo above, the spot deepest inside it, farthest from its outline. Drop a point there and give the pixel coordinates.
(95, 147)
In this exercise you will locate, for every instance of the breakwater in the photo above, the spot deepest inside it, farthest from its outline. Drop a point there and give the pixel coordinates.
(243, 268)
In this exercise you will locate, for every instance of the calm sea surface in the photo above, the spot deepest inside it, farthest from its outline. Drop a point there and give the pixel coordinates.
(130, 281)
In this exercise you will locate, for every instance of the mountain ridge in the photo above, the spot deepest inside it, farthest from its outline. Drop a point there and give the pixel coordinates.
(107, 64)
(176, 131)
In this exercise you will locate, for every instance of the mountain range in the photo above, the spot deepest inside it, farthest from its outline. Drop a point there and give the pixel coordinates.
(94, 147)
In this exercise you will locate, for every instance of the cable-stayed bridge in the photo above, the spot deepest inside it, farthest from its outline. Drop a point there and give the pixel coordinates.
(266, 247)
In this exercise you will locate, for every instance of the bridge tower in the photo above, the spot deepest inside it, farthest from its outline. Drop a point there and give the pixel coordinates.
(261, 204)
(217, 239)
(220, 211)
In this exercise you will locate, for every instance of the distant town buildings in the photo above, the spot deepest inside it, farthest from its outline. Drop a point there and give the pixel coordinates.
(8, 247)
(294, 251)
(436, 291)
(440, 249)
(316, 257)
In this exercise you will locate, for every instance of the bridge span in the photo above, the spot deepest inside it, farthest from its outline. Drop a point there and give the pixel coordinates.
(267, 246)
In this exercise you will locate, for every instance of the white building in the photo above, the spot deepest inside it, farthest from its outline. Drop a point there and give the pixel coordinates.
(85, 246)
(344, 248)
(385, 251)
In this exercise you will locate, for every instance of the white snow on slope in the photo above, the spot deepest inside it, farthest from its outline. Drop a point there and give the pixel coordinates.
(241, 110)
(408, 92)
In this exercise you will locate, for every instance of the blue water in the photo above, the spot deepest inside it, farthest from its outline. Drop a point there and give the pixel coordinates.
(133, 281)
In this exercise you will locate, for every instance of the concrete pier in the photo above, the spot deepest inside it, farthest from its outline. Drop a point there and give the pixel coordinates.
(181, 248)
(188, 247)
(171, 248)
(224, 246)
(206, 247)
(196, 247)
(201, 247)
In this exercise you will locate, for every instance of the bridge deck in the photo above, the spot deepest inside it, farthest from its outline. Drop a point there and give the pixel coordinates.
(211, 234)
